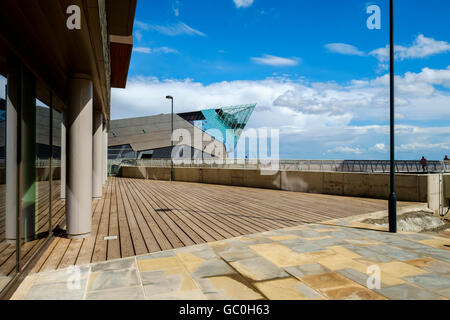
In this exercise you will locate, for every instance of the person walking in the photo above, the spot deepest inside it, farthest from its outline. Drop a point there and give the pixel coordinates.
(424, 164)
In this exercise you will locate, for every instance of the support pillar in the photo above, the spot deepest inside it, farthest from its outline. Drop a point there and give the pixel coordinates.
(79, 158)
(21, 116)
(28, 155)
(12, 118)
(105, 154)
(63, 155)
(97, 159)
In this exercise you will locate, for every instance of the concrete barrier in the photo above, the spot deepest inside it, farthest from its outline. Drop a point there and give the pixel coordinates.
(409, 187)
(157, 173)
(133, 172)
(433, 192)
(187, 175)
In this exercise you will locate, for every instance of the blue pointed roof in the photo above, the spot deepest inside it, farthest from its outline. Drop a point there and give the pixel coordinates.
(229, 121)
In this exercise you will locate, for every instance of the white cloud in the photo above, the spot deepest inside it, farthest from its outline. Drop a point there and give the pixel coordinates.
(412, 147)
(346, 150)
(379, 147)
(243, 3)
(344, 48)
(276, 61)
(349, 119)
(138, 35)
(142, 49)
(362, 100)
(154, 50)
(422, 47)
(174, 29)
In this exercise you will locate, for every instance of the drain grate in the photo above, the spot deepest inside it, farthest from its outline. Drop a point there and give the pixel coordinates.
(111, 238)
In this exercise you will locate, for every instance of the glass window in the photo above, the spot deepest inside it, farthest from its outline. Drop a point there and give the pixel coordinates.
(35, 177)
(7, 248)
(57, 197)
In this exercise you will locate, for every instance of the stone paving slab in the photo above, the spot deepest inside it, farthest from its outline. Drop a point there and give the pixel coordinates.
(318, 261)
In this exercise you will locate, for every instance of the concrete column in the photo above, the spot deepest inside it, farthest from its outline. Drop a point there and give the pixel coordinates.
(97, 159)
(28, 155)
(12, 110)
(21, 106)
(63, 155)
(79, 158)
(105, 154)
(433, 192)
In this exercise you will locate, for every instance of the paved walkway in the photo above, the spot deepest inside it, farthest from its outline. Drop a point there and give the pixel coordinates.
(315, 261)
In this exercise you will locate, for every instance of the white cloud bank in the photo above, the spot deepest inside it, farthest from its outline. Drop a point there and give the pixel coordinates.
(422, 47)
(174, 29)
(339, 120)
(344, 48)
(154, 50)
(243, 3)
(275, 61)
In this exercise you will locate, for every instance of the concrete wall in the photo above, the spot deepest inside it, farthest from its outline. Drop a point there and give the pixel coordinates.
(434, 192)
(410, 187)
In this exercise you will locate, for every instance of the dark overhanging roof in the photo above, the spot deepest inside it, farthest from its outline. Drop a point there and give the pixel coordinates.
(37, 34)
(192, 116)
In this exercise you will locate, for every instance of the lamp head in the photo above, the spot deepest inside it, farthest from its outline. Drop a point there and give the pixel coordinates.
(169, 97)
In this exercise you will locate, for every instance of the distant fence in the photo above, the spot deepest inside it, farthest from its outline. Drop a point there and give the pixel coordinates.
(362, 166)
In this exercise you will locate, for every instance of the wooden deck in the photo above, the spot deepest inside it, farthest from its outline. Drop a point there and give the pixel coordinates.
(8, 251)
(149, 216)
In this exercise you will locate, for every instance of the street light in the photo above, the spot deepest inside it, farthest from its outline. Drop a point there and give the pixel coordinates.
(171, 137)
(392, 195)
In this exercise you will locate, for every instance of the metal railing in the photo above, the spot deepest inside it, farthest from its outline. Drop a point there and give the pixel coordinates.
(362, 166)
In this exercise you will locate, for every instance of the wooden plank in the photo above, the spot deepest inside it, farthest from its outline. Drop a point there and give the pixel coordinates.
(99, 253)
(87, 247)
(71, 254)
(136, 234)
(192, 230)
(147, 225)
(113, 230)
(53, 261)
(126, 244)
(173, 227)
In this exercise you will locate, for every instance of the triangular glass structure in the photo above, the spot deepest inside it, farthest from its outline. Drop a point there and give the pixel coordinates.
(225, 124)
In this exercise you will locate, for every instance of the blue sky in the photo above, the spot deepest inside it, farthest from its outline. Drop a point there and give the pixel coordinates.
(317, 73)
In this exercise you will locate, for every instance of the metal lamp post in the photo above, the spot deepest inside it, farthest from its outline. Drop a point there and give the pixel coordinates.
(392, 195)
(171, 137)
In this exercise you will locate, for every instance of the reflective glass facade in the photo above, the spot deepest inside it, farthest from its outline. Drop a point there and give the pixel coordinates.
(226, 124)
(30, 152)
(7, 248)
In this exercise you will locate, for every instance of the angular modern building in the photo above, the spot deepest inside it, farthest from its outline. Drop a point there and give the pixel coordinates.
(59, 60)
(208, 133)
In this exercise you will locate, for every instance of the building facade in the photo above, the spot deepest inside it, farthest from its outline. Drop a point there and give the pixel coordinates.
(58, 62)
(209, 133)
